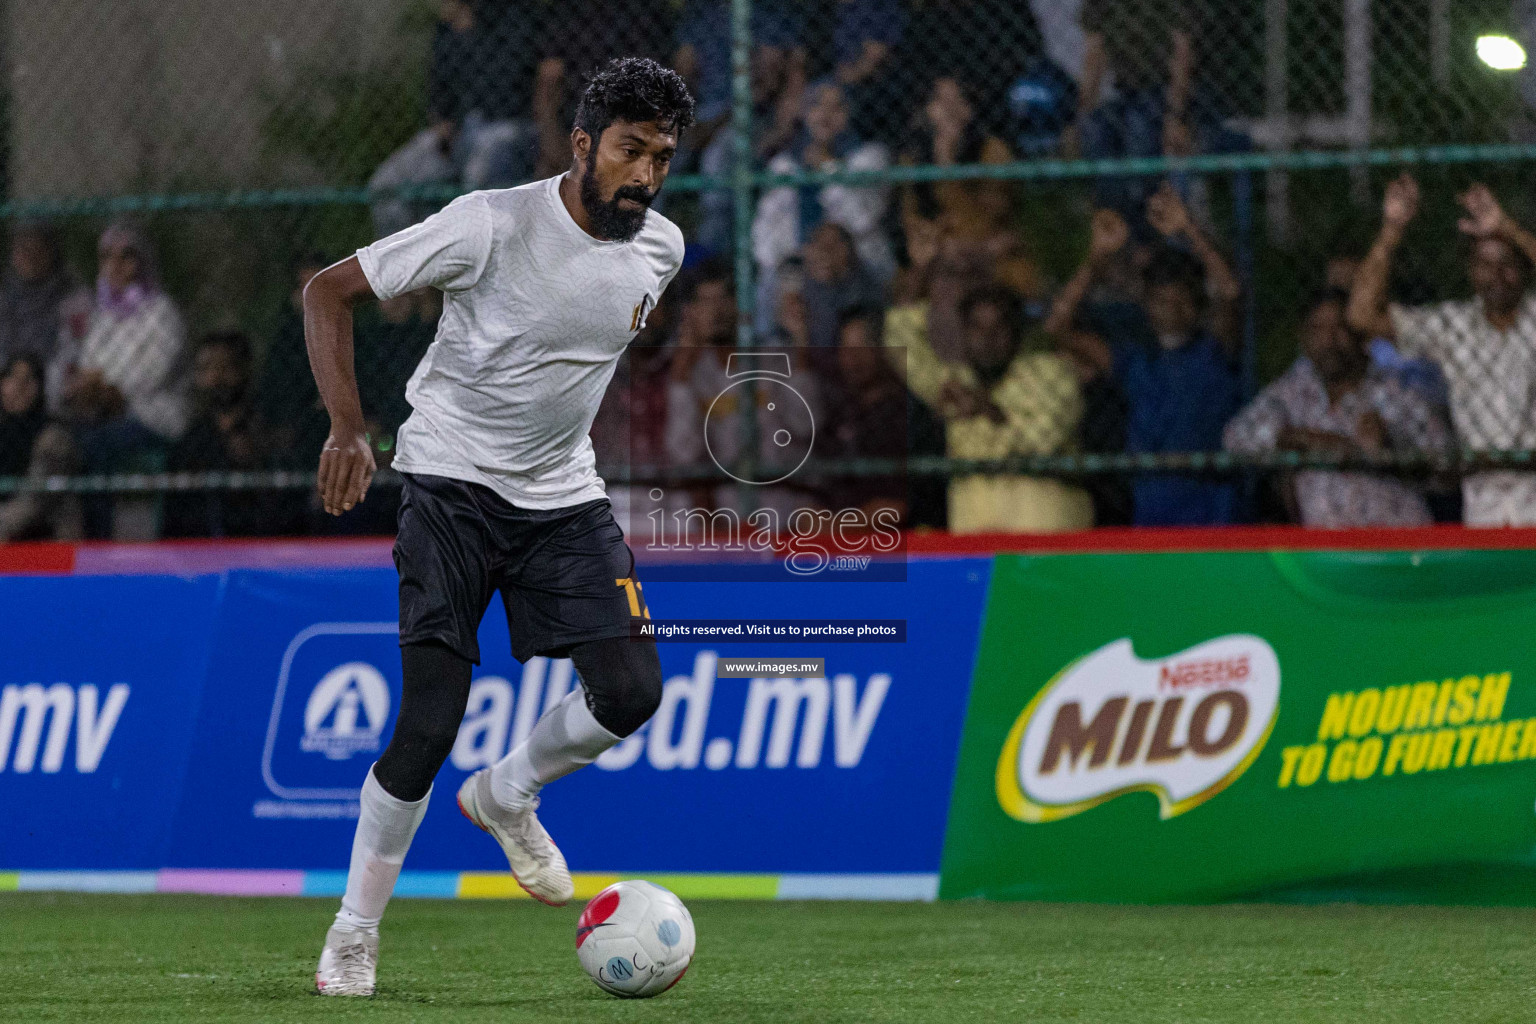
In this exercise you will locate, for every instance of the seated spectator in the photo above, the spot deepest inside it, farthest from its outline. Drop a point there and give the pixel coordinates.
(23, 415)
(864, 42)
(1486, 345)
(629, 430)
(786, 216)
(127, 396)
(706, 338)
(1334, 401)
(31, 445)
(1173, 360)
(41, 302)
(227, 434)
(869, 417)
(286, 395)
(1421, 375)
(790, 328)
(703, 57)
(835, 282)
(945, 132)
(1004, 398)
(390, 340)
(479, 102)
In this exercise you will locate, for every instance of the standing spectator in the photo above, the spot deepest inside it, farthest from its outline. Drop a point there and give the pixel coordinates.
(1486, 345)
(703, 57)
(864, 42)
(835, 282)
(945, 132)
(1334, 401)
(227, 434)
(1148, 47)
(786, 216)
(41, 302)
(1004, 398)
(942, 271)
(31, 445)
(585, 35)
(985, 46)
(127, 397)
(1176, 368)
(479, 104)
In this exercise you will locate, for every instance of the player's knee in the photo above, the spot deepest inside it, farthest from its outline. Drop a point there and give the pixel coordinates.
(622, 677)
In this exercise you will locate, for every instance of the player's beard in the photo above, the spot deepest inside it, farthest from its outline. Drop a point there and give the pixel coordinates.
(609, 219)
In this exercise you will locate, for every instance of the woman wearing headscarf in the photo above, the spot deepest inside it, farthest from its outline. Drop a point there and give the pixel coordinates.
(32, 445)
(130, 387)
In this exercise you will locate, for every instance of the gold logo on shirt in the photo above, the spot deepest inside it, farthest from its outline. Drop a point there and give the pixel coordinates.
(642, 310)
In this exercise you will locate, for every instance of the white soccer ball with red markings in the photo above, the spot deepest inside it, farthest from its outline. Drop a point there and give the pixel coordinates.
(635, 939)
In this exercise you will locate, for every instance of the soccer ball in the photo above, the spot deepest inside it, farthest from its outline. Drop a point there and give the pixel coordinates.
(635, 939)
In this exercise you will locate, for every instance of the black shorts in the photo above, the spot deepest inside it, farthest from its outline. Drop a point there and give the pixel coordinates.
(565, 575)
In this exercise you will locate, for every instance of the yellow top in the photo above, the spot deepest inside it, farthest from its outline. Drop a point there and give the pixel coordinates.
(1041, 404)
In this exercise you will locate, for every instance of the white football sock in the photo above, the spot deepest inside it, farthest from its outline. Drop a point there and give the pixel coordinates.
(565, 739)
(385, 828)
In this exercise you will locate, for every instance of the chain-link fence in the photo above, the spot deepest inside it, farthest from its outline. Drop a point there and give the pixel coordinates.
(1095, 236)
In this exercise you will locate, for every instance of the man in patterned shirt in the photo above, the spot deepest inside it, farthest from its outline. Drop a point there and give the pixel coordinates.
(1334, 401)
(1486, 345)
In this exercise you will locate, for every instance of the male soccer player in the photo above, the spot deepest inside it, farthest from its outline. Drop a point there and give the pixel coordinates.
(543, 288)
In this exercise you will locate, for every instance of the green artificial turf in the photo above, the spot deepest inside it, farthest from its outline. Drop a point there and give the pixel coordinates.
(188, 958)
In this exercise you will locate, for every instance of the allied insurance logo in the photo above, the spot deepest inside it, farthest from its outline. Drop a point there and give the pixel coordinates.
(346, 712)
(1183, 727)
(331, 710)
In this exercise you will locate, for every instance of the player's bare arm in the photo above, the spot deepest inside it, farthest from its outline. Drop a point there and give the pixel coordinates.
(346, 461)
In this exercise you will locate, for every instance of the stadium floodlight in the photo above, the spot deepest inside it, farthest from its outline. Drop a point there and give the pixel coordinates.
(1501, 53)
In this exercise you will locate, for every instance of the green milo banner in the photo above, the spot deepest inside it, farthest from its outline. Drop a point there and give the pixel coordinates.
(1193, 727)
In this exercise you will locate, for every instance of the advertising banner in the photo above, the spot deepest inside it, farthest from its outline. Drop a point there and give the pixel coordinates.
(1192, 727)
(100, 681)
(847, 772)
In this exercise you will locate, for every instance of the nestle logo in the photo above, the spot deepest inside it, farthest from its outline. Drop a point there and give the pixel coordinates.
(1206, 672)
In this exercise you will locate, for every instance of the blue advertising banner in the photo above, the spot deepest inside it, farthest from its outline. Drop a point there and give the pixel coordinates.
(100, 680)
(846, 773)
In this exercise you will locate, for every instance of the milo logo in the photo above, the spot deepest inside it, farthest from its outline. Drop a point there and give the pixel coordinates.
(1183, 727)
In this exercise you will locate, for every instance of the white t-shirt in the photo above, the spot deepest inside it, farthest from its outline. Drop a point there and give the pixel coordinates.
(1492, 379)
(536, 313)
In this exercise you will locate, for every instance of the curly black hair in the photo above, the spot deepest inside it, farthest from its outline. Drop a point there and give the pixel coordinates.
(634, 89)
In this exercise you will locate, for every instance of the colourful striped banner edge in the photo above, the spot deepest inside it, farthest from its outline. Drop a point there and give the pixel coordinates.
(475, 884)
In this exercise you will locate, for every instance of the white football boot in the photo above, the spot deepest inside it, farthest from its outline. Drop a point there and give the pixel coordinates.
(348, 963)
(536, 862)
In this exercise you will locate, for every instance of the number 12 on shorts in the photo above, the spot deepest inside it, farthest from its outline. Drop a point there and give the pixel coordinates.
(637, 608)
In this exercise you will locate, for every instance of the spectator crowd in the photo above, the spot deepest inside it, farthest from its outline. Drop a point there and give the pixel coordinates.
(919, 316)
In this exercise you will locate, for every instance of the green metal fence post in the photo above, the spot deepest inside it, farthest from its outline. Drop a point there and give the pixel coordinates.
(741, 186)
